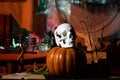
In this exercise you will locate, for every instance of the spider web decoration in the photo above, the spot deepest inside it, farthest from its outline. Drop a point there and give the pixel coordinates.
(57, 12)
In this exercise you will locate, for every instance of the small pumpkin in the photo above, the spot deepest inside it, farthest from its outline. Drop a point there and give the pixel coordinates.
(63, 61)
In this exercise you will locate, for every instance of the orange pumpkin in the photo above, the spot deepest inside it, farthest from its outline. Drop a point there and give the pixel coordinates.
(63, 61)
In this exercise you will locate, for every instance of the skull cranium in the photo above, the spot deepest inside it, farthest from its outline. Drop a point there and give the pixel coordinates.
(65, 35)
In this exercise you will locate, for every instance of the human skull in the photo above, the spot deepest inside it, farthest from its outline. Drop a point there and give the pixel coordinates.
(65, 35)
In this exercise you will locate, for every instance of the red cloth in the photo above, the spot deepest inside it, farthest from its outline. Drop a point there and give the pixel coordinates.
(23, 11)
(4, 28)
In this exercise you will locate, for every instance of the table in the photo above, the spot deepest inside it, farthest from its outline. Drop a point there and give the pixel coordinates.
(11, 58)
(14, 56)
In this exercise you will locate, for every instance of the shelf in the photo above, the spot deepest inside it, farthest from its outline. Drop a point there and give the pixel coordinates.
(14, 56)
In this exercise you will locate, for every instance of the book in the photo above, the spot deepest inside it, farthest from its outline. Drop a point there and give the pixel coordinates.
(23, 76)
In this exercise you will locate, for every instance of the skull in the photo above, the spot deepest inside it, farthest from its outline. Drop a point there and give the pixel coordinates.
(65, 35)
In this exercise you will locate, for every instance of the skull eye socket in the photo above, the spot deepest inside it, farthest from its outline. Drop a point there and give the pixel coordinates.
(70, 36)
(58, 35)
(64, 33)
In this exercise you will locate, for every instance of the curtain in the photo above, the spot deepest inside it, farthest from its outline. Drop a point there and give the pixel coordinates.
(23, 11)
(5, 28)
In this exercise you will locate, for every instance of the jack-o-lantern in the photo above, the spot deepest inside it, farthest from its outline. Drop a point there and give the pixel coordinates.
(64, 60)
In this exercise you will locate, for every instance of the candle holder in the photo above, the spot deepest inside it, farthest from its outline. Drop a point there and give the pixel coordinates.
(21, 56)
(33, 44)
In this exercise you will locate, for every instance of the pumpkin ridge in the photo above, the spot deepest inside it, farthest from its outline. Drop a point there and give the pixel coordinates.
(68, 60)
(73, 56)
(56, 61)
(62, 61)
(73, 52)
(49, 59)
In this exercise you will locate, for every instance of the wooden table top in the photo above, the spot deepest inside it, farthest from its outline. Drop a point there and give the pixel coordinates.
(15, 56)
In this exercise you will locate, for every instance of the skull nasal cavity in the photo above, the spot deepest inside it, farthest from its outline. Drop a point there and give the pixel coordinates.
(64, 33)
